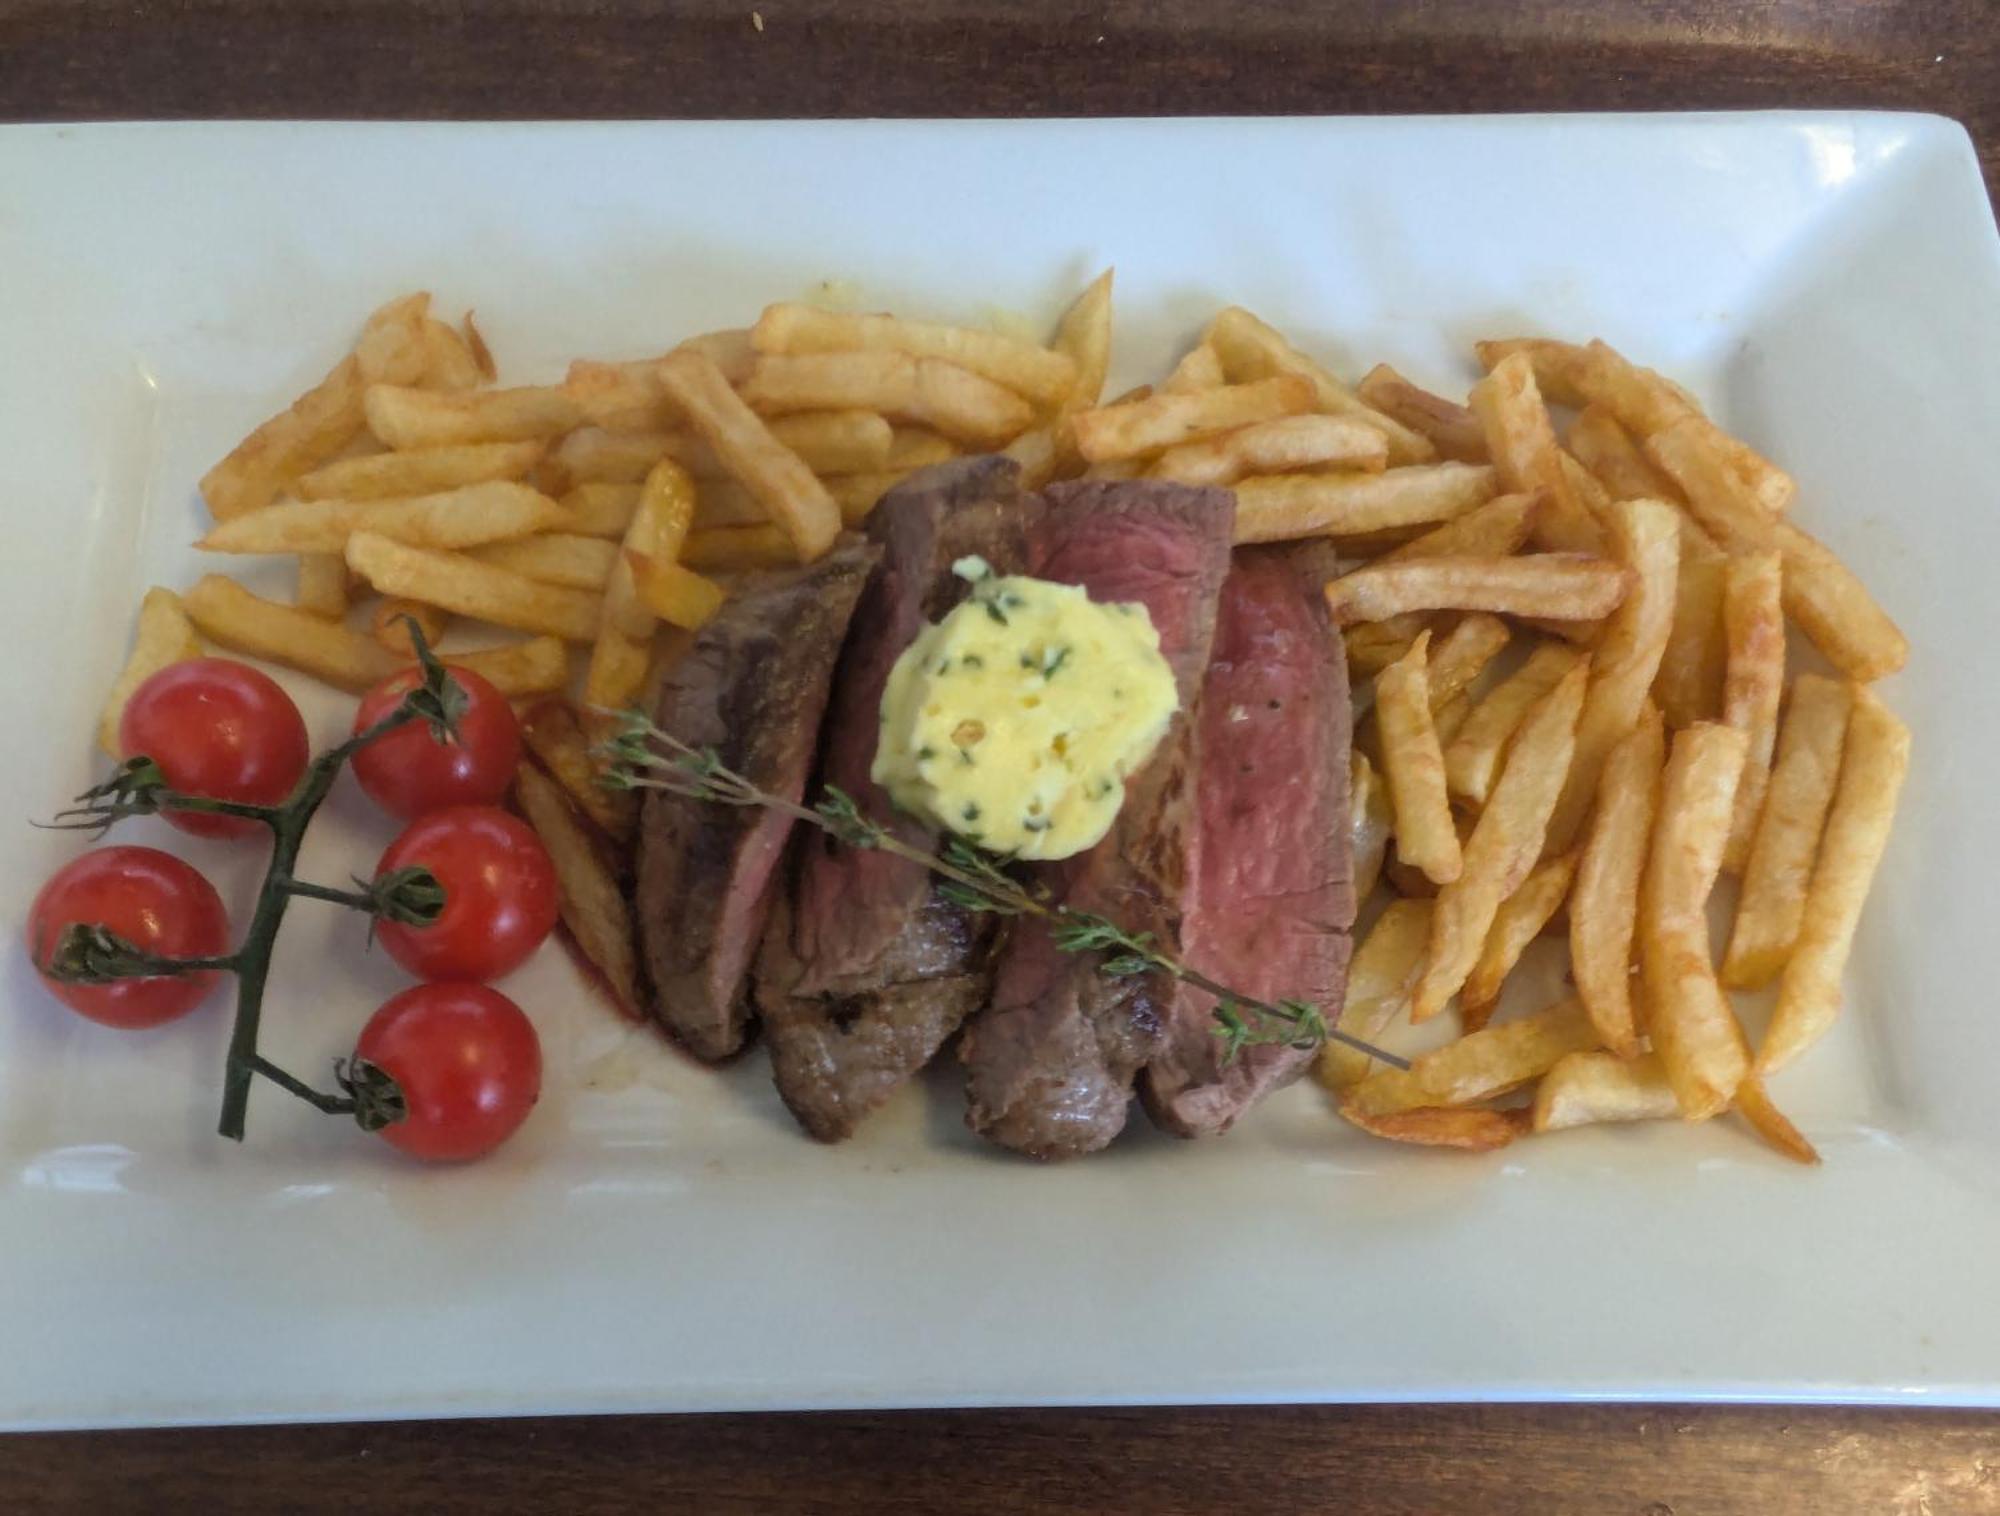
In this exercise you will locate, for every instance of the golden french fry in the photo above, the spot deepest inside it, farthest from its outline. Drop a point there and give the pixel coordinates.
(1251, 350)
(535, 666)
(581, 562)
(1779, 872)
(722, 501)
(322, 583)
(1504, 844)
(426, 471)
(674, 592)
(475, 343)
(1523, 444)
(1369, 821)
(1496, 529)
(623, 652)
(405, 417)
(927, 391)
(1645, 537)
(600, 510)
(596, 455)
(1036, 451)
(725, 548)
(227, 613)
(845, 441)
(1872, 770)
(1472, 761)
(731, 351)
(1277, 507)
(1371, 646)
(828, 442)
(1275, 447)
(1044, 376)
(389, 624)
(1688, 687)
(1558, 366)
(1200, 368)
(914, 447)
(1413, 764)
(1450, 716)
(1689, 1018)
(470, 588)
(1479, 1065)
(1566, 586)
(1130, 430)
(791, 496)
(1462, 655)
(449, 363)
(1604, 901)
(1820, 592)
(1472, 1131)
(1450, 427)
(1084, 333)
(164, 636)
(620, 397)
(1379, 981)
(464, 517)
(1753, 681)
(1753, 1103)
(856, 494)
(1519, 921)
(316, 427)
(1585, 1088)
(1605, 448)
(553, 732)
(594, 909)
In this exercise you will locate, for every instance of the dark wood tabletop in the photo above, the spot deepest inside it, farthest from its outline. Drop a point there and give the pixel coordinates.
(84, 59)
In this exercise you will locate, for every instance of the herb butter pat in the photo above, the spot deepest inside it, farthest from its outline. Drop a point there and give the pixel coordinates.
(1015, 720)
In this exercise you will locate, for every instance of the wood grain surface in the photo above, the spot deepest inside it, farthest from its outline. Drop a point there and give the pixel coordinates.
(82, 59)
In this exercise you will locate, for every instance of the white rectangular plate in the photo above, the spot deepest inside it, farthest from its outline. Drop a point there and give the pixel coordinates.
(1830, 284)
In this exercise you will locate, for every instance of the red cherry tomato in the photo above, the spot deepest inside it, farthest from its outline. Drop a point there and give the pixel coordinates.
(410, 773)
(467, 1061)
(152, 900)
(499, 894)
(221, 730)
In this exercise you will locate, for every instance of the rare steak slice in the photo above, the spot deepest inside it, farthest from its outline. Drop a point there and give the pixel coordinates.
(1270, 900)
(865, 969)
(1050, 1062)
(753, 688)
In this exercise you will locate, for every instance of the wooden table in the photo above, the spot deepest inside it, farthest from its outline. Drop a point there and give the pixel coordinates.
(80, 59)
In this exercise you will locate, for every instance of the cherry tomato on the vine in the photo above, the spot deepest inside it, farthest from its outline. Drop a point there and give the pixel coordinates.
(155, 902)
(410, 772)
(499, 894)
(221, 730)
(468, 1064)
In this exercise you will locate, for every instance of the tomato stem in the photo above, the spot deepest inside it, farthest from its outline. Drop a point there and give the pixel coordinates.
(359, 900)
(333, 1105)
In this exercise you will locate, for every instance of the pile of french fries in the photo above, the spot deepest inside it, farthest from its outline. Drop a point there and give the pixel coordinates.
(1570, 644)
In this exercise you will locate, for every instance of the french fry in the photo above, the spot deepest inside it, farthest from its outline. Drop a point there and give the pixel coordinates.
(1037, 452)
(1520, 920)
(1251, 350)
(1084, 333)
(553, 732)
(828, 442)
(726, 548)
(470, 588)
(856, 494)
(1523, 445)
(581, 562)
(1275, 447)
(1462, 655)
(1586, 1088)
(1472, 1131)
(1414, 767)
(1450, 427)
(1496, 529)
(1645, 537)
(426, 471)
(475, 343)
(1199, 369)
(1379, 982)
(392, 348)
(405, 417)
(1113, 432)
(1688, 687)
(225, 612)
(449, 364)
(1753, 681)
(1872, 770)
(1566, 586)
(1044, 376)
(1753, 1103)
(730, 350)
(1604, 447)
(676, 593)
(164, 636)
(1369, 822)
(910, 447)
(722, 501)
(1479, 1065)
(593, 907)
(620, 397)
(1278, 507)
(1776, 879)
(1558, 366)
(623, 651)
(1371, 646)
(1473, 760)
(850, 441)
(1504, 844)
(1604, 900)
(322, 584)
(596, 455)
(464, 517)
(1820, 592)
(389, 624)
(926, 391)
(1692, 1026)
(791, 496)
(599, 510)
(534, 666)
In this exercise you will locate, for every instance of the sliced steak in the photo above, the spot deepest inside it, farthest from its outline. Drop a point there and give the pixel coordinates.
(1270, 900)
(865, 970)
(1050, 1063)
(753, 687)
